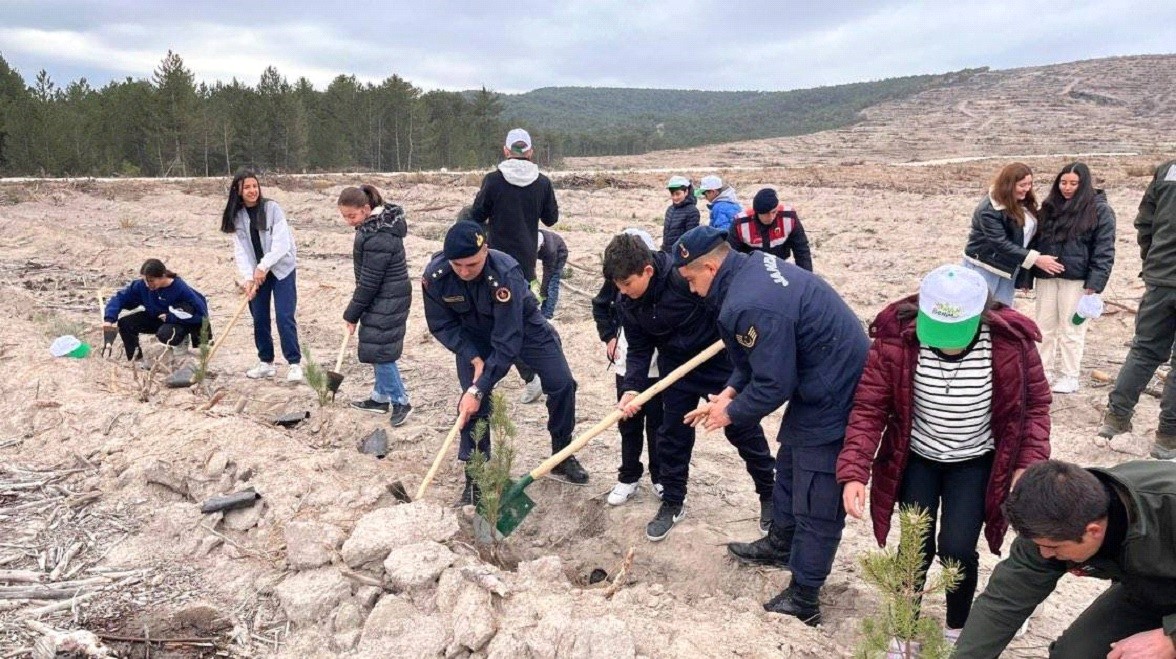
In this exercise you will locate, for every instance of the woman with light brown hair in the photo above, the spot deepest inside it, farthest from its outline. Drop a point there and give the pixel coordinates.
(1003, 225)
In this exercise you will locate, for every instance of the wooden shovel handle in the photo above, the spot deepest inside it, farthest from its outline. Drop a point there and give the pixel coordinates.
(343, 348)
(216, 346)
(437, 460)
(642, 398)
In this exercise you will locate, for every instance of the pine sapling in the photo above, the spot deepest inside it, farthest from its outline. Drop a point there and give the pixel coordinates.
(204, 351)
(316, 377)
(898, 630)
(492, 475)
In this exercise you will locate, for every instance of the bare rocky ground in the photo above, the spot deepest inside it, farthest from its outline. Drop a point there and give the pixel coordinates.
(101, 476)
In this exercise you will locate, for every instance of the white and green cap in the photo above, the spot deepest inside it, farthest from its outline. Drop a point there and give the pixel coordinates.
(951, 301)
(678, 182)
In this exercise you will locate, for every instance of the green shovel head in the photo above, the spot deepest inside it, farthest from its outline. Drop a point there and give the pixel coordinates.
(515, 506)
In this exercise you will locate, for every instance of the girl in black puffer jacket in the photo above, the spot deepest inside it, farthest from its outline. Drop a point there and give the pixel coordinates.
(682, 214)
(1078, 229)
(382, 297)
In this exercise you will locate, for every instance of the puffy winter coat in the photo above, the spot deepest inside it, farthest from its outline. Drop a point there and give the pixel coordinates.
(1089, 257)
(680, 218)
(383, 292)
(877, 441)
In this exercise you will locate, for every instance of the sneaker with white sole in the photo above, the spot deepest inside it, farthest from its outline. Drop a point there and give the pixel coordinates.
(668, 514)
(659, 490)
(531, 391)
(261, 371)
(294, 373)
(1065, 385)
(621, 493)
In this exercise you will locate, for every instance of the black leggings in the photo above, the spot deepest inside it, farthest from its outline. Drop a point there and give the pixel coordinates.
(132, 325)
(961, 487)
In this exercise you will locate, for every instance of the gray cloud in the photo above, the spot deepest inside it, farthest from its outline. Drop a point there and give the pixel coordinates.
(519, 46)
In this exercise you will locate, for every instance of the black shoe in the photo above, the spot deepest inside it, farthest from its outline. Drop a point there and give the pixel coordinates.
(400, 414)
(802, 602)
(471, 495)
(765, 520)
(369, 405)
(668, 514)
(775, 549)
(570, 471)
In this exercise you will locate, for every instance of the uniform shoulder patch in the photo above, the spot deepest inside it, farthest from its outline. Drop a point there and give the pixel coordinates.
(502, 294)
(747, 340)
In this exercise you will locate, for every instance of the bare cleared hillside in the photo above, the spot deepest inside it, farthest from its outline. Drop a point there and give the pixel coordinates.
(1110, 105)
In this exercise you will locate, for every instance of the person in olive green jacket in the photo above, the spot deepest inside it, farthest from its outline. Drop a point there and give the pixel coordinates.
(1117, 523)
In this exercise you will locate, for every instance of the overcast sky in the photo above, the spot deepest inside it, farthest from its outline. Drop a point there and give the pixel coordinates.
(518, 46)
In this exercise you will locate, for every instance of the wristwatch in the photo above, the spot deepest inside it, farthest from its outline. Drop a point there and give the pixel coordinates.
(475, 392)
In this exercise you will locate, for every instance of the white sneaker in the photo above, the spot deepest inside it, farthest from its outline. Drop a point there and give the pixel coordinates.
(1065, 385)
(294, 373)
(261, 371)
(531, 391)
(621, 493)
(659, 490)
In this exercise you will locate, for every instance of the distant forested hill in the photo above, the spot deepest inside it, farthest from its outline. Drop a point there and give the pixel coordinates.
(585, 121)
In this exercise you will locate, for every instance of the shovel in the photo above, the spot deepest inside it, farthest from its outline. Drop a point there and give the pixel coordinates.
(179, 383)
(335, 378)
(516, 505)
(437, 460)
(109, 334)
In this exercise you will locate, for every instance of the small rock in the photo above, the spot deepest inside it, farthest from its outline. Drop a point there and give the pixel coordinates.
(347, 618)
(345, 641)
(243, 519)
(311, 544)
(474, 622)
(396, 629)
(381, 531)
(200, 617)
(216, 465)
(308, 597)
(207, 544)
(367, 596)
(545, 570)
(417, 565)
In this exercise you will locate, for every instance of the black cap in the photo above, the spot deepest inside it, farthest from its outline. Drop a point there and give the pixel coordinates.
(463, 240)
(765, 201)
(696, 242)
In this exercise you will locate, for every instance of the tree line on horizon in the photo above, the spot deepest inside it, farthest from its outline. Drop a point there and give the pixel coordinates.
(170, 125)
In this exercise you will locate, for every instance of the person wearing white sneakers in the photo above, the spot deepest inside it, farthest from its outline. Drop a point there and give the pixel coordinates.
(1078, 229)
(266, 259)
(642, 428)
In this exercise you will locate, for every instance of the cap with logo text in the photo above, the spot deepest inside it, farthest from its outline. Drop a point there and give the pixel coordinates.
(951, 302)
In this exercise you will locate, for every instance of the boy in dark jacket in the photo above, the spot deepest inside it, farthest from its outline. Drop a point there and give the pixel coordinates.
(382, 297)
(1115, 524)
(682, 213)
(771, 227)
(553, 252)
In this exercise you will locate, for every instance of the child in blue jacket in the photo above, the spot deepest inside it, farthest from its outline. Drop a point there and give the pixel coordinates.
(171, 310)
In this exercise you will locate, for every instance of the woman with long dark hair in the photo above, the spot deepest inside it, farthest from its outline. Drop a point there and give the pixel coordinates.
(382, 297)
(266, 259)
(169, 308)
(1077, 229)
(1003, 225)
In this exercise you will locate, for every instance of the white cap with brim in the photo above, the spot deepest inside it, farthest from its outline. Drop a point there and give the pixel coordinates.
(951, 302)
(678, 182)
(517, 136)
(711, 182)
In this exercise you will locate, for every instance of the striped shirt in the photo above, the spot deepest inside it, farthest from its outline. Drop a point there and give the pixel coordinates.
(953, 402)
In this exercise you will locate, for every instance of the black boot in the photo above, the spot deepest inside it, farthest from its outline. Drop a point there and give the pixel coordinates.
(470, 495)
(775, 549)
(803, 602)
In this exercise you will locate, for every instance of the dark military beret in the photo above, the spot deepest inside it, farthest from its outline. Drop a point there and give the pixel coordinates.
(463, 240)
(696, 242)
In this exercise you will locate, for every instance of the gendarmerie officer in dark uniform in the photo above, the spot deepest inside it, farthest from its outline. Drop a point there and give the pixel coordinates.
(479, 306)
(792, 339)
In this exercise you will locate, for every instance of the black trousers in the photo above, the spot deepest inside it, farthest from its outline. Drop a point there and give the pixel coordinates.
(639, 430)
(1113, 616)
(676, 439)
(960, 487)
(132, 325)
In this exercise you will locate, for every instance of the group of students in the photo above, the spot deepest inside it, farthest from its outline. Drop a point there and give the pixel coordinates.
(944, 405)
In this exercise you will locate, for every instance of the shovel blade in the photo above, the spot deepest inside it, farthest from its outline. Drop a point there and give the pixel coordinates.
(333, 381)
(182, 378)
(515, 506)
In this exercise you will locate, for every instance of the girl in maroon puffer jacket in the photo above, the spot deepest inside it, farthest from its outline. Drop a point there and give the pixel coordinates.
(952, 407)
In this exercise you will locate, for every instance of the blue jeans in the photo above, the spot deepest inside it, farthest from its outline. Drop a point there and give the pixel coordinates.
(389, 388)
(285, 296)
(551, 296)
(1002, 289)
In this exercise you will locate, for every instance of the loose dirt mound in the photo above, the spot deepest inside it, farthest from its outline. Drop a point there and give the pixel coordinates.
(87, 464)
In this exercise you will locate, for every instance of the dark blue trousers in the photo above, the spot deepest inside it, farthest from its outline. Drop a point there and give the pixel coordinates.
(676, 439)
(284, 293)
(547, 360)
(807, 506)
